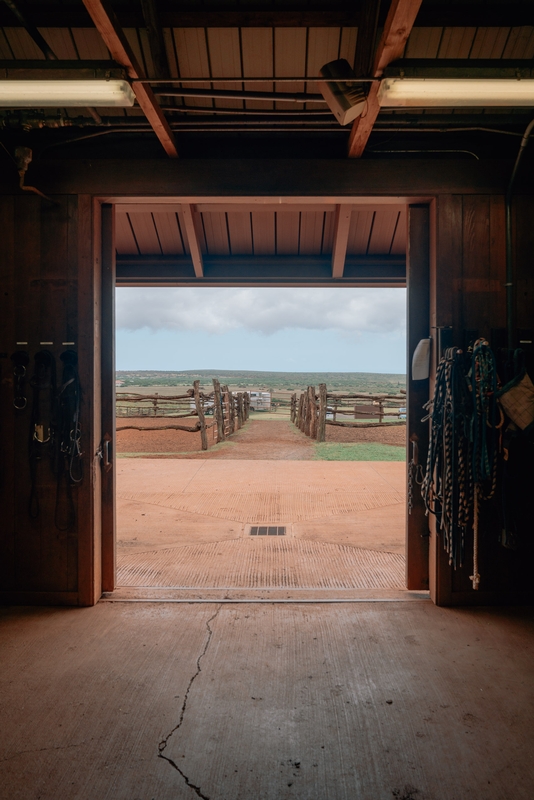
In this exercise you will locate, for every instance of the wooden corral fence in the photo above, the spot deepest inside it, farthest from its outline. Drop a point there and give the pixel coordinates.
(229, 410)
(313, 411)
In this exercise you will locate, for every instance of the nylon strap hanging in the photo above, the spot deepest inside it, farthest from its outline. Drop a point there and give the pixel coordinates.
(42, 425)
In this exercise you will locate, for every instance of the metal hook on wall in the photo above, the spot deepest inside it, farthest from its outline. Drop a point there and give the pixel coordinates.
(23, 159)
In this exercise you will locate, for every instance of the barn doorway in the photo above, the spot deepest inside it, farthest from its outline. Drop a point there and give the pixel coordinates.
(186, 484)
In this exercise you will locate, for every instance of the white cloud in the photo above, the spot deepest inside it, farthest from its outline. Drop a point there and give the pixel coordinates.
(262, 310)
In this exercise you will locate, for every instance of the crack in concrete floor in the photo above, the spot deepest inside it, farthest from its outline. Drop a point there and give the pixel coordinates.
(164, 742)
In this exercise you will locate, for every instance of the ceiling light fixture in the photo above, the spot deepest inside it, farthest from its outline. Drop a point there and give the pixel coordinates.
(448, 93)
(65, 93)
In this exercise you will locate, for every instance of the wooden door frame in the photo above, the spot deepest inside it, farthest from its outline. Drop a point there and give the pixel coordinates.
(420, 244)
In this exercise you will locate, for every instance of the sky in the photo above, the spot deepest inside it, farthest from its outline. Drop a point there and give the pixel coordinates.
(271, 329)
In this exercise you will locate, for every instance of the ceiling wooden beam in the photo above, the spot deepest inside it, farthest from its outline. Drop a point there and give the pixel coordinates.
(398, 26)
(190, 221)
(111, 32)
(342, 219)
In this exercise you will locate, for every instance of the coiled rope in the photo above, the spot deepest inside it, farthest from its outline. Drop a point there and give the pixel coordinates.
(463, 447)
(447, 488)
(484, 435)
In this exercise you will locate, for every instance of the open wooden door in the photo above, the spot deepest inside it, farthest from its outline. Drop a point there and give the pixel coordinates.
(108, 398)
(418, 324)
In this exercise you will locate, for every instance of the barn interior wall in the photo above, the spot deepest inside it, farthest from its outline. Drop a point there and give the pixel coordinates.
(49, 268)
(50, 297)
(468, 300)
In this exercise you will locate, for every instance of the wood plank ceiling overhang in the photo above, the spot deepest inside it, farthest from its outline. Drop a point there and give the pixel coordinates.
(288, 243)
(236, 70)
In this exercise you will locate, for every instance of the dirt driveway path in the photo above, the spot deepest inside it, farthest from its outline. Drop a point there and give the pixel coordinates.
(266, 440)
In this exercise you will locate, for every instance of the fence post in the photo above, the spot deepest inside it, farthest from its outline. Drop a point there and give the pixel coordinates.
(239, 410)
(201, 418)
(312, 414)
(321, 424)
(155, 404)
(218, 411)
(303, 411)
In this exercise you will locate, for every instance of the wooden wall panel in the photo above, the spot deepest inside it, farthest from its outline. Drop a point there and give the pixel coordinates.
(7, 451)
(468, 294)
(523, 218)
(49, 275)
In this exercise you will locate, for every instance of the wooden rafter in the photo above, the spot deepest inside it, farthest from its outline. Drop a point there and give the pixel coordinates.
(111, 32)
(190, 213)
(342, 219)
(398, 26)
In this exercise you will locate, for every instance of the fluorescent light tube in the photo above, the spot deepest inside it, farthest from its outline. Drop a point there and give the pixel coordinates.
(445, 93)
(65, 94)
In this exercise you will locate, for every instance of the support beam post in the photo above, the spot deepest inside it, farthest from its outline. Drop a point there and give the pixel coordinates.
(189, 213)
(342, 219)
(398, 26)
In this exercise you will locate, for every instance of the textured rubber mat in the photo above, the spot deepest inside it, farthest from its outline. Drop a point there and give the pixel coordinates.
(263, 562)
(256, 507)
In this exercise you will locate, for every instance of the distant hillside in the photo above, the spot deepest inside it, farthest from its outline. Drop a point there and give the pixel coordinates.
(290, 381)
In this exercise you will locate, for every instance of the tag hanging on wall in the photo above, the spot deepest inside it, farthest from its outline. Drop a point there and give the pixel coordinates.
(421, 361)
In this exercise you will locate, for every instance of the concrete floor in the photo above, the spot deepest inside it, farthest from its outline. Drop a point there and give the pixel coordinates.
(369, 701)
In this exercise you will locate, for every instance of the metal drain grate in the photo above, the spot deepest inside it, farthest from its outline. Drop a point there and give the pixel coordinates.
(267, 530)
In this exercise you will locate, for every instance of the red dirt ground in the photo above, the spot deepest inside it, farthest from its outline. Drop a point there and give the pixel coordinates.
(259, 439)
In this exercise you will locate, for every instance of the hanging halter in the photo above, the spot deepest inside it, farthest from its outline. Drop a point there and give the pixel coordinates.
(20, 361)
(42, 425)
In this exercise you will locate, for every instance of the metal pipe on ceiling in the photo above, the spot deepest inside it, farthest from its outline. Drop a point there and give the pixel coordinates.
(247, 79)
(229, 94)
(245, 111)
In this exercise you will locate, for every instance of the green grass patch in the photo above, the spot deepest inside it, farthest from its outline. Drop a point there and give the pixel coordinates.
(362, 451)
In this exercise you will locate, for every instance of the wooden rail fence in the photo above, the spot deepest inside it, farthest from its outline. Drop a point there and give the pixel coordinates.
(312, 411)
(229, 410)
